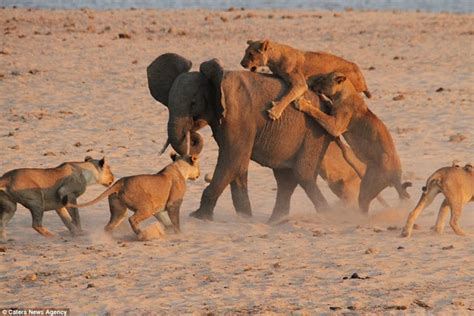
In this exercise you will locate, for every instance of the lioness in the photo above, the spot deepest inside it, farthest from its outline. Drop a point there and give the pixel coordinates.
(41, 190)
(295, 67)
(457, 185)
(365, 133)
(158, 195)
(342, 178)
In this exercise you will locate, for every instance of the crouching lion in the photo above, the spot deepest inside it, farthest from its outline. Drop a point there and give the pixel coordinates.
(41, 190)
(295, 67)
(457, 185)
(158, 195)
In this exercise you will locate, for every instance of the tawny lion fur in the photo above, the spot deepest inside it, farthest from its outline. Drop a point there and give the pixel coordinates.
(343, 172)
(295, 67)
(457, 185)
(41, 190)
(158, 195)
(365, 133)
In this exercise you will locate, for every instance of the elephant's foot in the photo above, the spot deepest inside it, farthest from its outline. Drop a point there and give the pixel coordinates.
(277, 219)
(245, 212)
(202, 215)
(79, 233)
(3, 235)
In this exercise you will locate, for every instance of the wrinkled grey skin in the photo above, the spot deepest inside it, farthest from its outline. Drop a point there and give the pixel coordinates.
(233, 104)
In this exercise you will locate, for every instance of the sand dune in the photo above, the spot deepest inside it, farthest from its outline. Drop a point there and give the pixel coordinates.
(71, 86)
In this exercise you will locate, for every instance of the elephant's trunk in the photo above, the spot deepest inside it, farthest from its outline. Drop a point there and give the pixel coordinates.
(177, 130)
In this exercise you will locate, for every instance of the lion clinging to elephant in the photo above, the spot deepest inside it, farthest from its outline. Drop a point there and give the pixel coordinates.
(233, 104)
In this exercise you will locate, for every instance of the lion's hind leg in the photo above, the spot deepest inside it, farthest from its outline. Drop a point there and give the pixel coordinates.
(456, 210)
(442, 215)
(67, 220)
(136, 219)
(37, 215)
(426, 199)
(118, 210)
(7, 210)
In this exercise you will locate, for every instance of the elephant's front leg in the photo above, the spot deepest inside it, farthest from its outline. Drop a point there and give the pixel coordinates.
(286, 184)
(240, 195)
(231, 162)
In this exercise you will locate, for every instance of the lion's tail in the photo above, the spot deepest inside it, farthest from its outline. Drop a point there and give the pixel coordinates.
(113, 189)
(433, 180)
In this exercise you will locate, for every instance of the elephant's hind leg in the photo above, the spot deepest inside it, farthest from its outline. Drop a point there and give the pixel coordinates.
(312, 190)
(240, 195)
(286, 184)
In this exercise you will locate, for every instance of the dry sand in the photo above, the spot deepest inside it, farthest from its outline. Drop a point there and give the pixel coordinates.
(70, 87)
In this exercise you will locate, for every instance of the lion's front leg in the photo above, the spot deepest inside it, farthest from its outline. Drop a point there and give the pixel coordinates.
(297, 87)
(302, 104)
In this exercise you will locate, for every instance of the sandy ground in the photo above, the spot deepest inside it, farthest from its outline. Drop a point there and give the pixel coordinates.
(70, 87)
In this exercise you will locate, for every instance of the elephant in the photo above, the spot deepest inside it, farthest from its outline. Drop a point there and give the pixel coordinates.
(233, 104)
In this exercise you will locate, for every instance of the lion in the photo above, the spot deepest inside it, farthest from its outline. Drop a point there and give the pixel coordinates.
(41, 190)
(147, 195)
(365, 133)
(343, 172)
(295, 67)
(457, 185)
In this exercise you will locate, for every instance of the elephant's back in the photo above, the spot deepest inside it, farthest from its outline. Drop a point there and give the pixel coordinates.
(277, 143)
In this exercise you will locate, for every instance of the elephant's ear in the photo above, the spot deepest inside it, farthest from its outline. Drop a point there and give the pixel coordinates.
(162, 72)
(213, 70)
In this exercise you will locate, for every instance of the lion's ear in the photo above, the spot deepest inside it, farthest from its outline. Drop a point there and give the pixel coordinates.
(250, 42)
(173, 156)
(340, 78)
(265, 45)
(193, 159)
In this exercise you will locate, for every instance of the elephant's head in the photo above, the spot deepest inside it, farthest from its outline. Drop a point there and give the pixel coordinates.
(193, 98)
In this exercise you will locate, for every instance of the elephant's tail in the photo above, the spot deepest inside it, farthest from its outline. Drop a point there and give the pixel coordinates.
(113, 189)
(402, 189)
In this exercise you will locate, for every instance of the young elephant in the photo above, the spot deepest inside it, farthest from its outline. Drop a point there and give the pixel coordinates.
(365, 133)
(41, 190)
(457, 185)
(295, 67)
(158, 195)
